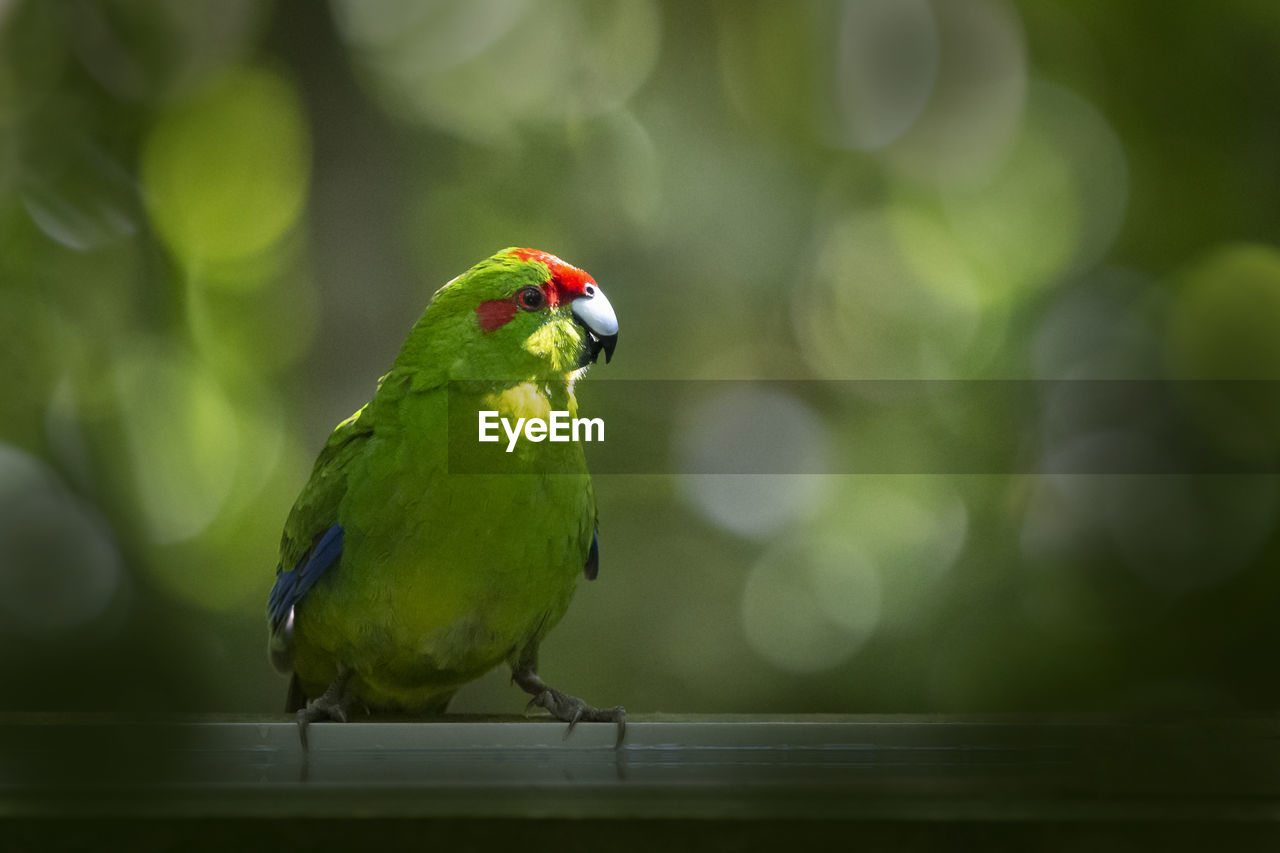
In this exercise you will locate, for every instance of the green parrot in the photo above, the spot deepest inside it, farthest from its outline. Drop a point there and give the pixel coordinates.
(399, 582)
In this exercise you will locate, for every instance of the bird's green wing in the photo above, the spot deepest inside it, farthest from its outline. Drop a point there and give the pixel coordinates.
(317, 507)
(312, 539)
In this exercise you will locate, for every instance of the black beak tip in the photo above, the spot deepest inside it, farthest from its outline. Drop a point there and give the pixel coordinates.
(594, 343)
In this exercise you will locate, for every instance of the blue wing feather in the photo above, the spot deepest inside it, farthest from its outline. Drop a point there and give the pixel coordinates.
(292, 585)
(592, 567)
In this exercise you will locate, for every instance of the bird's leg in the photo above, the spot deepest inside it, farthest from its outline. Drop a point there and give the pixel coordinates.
(569, 709)
(330, 705)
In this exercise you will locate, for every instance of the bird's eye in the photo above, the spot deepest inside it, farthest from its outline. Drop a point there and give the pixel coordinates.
(531, 298)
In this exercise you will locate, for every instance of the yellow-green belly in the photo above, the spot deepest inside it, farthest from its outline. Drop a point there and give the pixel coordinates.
(442, 577)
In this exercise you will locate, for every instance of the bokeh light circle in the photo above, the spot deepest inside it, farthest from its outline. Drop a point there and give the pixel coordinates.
(1224, 322)
(975, 107)
(226, 172)
(1100, 328)
(483, 70)
(914, 529)
(809, 606)
(1178, 533)
(885, 68)
(183, 441)
(1056, 200)
(1224, 325)
(890, 296)
(60, 568)
(727, 433)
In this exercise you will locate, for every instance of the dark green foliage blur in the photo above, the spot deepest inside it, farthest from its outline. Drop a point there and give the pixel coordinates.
(219, 218)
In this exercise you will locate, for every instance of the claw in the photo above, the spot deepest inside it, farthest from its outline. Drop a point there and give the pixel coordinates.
(331, 705)
(622, 725)
(577, 715)
(569, 709)
(303, 722)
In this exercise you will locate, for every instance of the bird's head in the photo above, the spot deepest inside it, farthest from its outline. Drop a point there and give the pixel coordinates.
(520, 314)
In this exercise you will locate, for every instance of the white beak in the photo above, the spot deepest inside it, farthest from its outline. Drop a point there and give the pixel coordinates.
(593, 311)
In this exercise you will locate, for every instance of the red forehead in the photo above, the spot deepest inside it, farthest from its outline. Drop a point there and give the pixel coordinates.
(568, 279)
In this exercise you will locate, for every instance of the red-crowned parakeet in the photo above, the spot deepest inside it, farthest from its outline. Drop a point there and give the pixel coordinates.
(399, 582)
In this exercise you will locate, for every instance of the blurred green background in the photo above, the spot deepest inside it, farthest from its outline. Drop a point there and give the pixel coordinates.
(219, 218)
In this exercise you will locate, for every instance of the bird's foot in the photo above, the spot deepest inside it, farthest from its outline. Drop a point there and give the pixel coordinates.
(331, 705)
(569, 709)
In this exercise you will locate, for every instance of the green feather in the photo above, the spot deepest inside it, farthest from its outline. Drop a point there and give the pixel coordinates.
(444, 576)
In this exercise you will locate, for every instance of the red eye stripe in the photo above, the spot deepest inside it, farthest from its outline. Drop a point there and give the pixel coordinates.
(495, 313)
